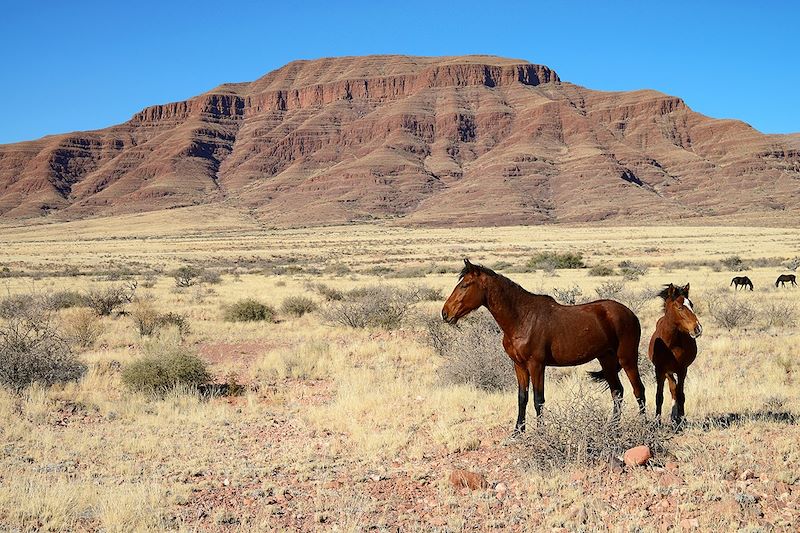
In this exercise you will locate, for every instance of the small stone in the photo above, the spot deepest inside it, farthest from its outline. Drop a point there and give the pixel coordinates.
(615, 465)
(471, 480)
(226, 482)
(747, 474)
(637, 456)
(690, 523)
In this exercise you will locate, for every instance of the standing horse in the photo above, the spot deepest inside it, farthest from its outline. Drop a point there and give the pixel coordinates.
(673, 347)
(783, 278)
(743, 281)
(539, 332)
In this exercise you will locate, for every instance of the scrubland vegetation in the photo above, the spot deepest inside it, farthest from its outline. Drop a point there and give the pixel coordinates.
(308, 382)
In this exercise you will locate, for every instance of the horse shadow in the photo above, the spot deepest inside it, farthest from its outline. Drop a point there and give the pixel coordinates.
(728, 420)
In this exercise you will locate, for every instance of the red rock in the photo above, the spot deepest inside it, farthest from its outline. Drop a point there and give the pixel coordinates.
(637, 456)
(429, 139)
(471, 480)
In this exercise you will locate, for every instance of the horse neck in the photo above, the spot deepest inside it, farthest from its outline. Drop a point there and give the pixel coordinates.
(502, 298)
(669, 328)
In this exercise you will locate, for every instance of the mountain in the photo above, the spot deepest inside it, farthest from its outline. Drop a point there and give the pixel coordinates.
(470, 140)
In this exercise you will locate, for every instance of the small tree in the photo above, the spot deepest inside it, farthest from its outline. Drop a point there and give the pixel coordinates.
(112, 298)
(186, 276)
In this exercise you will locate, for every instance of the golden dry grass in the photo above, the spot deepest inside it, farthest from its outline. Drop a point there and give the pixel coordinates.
(351, 429)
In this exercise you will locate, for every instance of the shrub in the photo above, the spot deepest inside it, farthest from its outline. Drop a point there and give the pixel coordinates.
(569, 296)
(65, 299)
(33, 351)
(734, 263)
(793, 264)
(164, 367)
(632, 271)
(581, 432)
(610, 290)
(732, 313)
(186, 276)
(636, 300)
(81, 327)
(601, 271)
(326, 291)
(112, 298)
(211, 277)
(371, 306)
(337, 269)
(780, 314)
(145, 318)
(545, 260)
(298, 305)
(249, 310)
(149, 281)
(424, 293)
(472, 352)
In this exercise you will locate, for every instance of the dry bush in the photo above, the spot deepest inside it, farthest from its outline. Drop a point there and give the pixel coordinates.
(210, 277)
(632, 271)
(793, 264)
(249, 310)
(581, 431)
(165, 365)
(145, 317)
(326, 291)
(552, 260)
(298, 305)
(371, 306)
(731, 312)
(610, 290)
(569, 296)
(64, 300)
(425, 293)
(733, 263)
(779, 314)
(112, 298)
(82, 327)
(472, 351)
(32, 350)
(601, 271)
(636, 300)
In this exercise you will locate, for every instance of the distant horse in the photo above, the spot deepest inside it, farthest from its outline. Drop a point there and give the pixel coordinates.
(783, 278)
(539, 332)
(673, 347)
(743, 281)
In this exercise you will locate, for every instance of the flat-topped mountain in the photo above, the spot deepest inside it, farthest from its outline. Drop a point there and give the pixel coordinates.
(473, 140)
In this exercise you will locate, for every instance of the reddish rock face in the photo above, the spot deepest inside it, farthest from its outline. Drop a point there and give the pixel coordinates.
(472, 140)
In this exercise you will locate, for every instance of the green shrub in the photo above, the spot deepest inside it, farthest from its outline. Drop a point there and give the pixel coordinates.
(249, 310)
(550, 260)
(164, 367)
(601, 271)
(298, 305)
(186, 276)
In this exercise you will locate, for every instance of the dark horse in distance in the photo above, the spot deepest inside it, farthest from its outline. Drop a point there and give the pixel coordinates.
(539, 332)
(742, 281)
(673, 347)
(783, 278)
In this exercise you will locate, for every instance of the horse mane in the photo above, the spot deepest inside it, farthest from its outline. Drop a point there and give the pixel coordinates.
(671, 292)
(491, 273)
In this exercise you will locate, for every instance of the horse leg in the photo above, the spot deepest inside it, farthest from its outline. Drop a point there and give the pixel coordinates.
(523, 378)
(680, 399)
(660, 377)
(638, 387)
(673, 390)
(536, 371)
(611, 373)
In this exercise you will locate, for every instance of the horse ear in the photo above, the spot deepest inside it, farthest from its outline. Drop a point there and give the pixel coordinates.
(686, 290)
(467, 263)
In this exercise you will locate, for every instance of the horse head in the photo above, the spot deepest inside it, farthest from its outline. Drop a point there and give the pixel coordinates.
(468, 294)
(679, 308)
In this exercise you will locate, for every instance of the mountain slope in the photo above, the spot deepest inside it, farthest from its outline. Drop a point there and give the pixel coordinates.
(475, 140)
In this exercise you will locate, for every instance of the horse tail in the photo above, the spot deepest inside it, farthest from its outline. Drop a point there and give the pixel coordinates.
(732, 282)
(777, 281)
(599, 376)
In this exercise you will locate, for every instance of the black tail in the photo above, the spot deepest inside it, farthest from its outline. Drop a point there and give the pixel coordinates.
(597, 376)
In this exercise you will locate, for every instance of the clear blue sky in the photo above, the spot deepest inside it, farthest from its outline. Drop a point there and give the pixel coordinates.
(71, 66)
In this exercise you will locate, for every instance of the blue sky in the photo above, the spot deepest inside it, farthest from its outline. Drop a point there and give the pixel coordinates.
(71, 66)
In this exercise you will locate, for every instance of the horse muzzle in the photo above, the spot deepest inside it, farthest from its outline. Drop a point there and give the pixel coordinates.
(448, 319)
(697, 331)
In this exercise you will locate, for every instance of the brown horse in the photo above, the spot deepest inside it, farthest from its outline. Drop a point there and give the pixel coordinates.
(673, 347)
(539, 332)
(783, 278)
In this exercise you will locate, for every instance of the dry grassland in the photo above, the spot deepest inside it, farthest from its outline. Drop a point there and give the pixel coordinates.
(352, 429)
